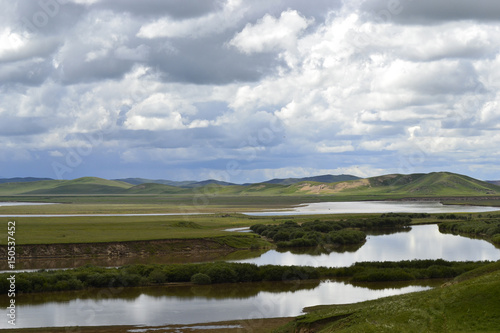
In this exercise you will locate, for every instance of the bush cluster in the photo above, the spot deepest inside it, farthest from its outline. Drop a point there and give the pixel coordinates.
(223, 272)
(410, 270)
(346, 232)
(481, 228)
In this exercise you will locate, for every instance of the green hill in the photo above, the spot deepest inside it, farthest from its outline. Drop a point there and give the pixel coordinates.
(85, 185)
(320, 179)
(434, 184)
(154, 188)
(414, 185)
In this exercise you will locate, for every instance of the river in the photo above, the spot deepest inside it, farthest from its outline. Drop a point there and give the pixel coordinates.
(421, 242)
(360, 207)
(198, 304)
(158, 306)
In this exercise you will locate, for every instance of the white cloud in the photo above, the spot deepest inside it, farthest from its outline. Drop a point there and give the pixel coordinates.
(340, 85)
(271, 33)
(323, 148)
(216, 22)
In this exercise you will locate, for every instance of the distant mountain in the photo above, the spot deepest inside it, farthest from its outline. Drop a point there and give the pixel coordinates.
(138, 181)
(435, 184)
(320, 179)
(154, 188)
(85, 185)
(22, 180)
(494, 182)
(211, 182)
(183, 184)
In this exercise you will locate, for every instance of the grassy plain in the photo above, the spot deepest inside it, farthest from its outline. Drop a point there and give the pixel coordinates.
(220, 215)
(95, 229)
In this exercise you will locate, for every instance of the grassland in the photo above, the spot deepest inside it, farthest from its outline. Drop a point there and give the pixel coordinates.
(95, 229)
(469, 304)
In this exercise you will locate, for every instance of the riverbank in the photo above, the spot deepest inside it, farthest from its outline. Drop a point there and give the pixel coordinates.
(470, 303)
(186, 247)
(260, 325)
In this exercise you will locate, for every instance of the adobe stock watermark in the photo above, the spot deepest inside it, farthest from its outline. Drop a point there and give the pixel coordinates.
(11, 261)
(48, 9)
(360, 39)
(74, 157)
(248, 150)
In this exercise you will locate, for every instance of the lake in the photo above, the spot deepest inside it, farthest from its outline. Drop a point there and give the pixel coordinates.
(360, 207)
(421, 242)
(192, 304)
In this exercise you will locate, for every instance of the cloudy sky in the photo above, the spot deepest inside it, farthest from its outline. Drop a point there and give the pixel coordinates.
(248, 90)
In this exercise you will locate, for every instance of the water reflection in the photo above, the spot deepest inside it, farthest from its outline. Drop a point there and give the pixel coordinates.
(191, 304)
(422, 242)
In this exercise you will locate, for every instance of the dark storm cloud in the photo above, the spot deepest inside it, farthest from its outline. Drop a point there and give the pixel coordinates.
(47, 17)
(76, 70)
(153, 8)
(29, 72)
(204, 60)
(209, 61)
(317, 9)
(202, 138)
(431, 11)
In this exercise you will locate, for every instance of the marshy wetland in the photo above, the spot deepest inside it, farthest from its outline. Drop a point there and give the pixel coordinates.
(163, 302)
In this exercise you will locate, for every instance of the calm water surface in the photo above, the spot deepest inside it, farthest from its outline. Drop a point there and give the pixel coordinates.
(25, 203)
(360, 207)
(422, 242)
(190, 304)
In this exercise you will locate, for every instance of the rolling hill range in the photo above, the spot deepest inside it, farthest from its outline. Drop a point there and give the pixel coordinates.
(414, 185)
(184, 184)
(436, 184)
(80, 186)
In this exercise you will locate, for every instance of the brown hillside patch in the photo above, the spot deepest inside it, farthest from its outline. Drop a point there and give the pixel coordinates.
(333, 188)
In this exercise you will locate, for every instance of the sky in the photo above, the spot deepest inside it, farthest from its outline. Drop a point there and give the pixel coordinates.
(245, 91)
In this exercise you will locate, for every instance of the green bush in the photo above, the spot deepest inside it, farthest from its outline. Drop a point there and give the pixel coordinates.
(221, 273)
(158, 276)
(200, 278)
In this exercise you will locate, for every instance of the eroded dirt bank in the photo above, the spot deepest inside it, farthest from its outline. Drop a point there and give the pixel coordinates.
(120, 249)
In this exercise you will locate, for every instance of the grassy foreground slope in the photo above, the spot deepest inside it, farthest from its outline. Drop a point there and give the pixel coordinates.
(471, 303)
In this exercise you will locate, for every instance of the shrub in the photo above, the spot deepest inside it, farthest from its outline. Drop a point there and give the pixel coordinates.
(158, 276)
(496, 239)
(200, 278)
(221, 273)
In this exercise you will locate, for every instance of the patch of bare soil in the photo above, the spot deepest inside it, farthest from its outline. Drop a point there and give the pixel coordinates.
(334, 188)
